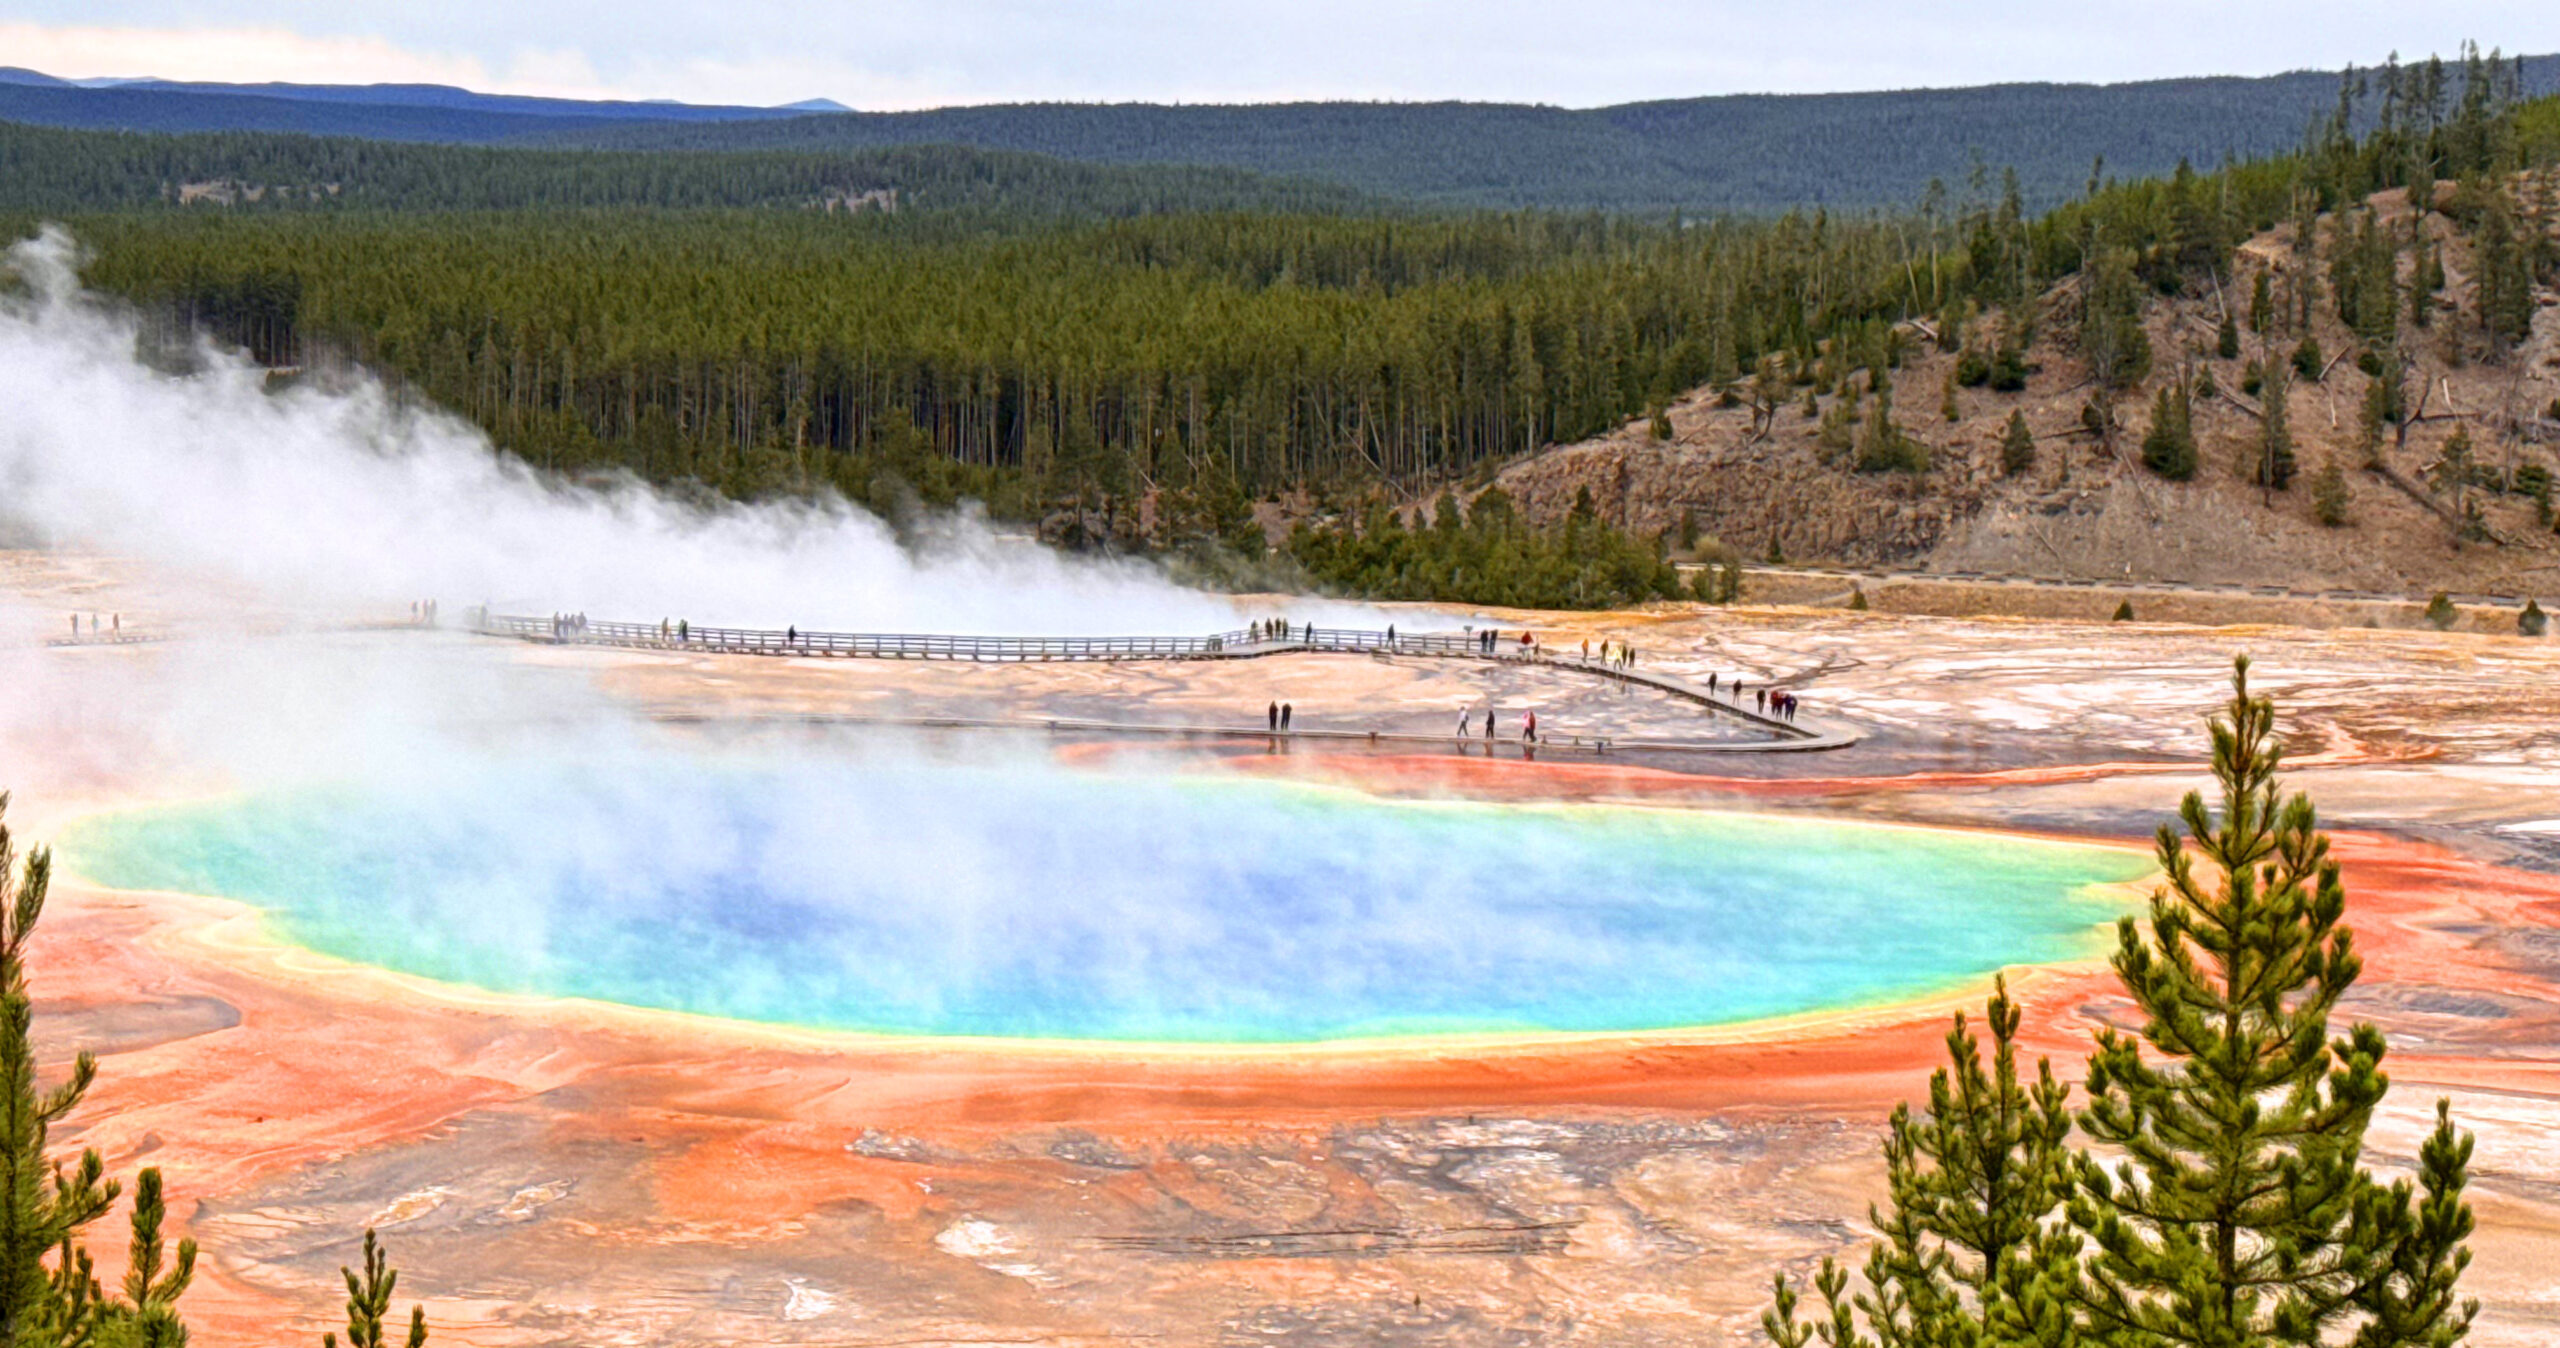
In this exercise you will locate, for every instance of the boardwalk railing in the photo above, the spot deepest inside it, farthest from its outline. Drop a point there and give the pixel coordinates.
(926, 646)
(1237, 645)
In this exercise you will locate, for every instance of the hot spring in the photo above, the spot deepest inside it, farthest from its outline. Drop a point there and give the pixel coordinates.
(1029, 901)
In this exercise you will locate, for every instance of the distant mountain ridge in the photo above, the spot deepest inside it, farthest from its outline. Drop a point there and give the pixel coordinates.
(1741, 152)
(172, 105)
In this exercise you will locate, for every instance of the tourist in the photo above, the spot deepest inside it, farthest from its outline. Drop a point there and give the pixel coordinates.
(1466, 717)
(1711, 684)
(1391, 634)
(1488, 722)
(791, 636)
(1286, 711)
(1273, 715)
(1529, 729)
(684, 630)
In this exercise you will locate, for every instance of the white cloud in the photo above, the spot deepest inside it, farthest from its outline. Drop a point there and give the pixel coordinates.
(274, 54)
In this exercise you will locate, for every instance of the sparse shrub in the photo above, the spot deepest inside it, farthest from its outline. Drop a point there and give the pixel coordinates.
(1720, 580)
(1688, 530)
(2017, 446)
(1839, 433)
(2307, 358)
(1884, 447)
(2275, 463)
(1973, 369)
(2169, 446)
(2206, 385)
(2369, 361)
(2008, 370)
(2329, 495)
(2531, 622)
(1857, 599)
(2226, 339)
(2441, 614)
(1951, 325)
(2252, 378)
(1777, 556)
(1658, 422)
(2124, 612)
(2534, 480)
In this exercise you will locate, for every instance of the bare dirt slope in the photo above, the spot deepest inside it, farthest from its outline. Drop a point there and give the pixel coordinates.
(2085, 512)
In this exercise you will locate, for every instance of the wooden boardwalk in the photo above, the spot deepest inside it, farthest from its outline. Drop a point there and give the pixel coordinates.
(1784, 736)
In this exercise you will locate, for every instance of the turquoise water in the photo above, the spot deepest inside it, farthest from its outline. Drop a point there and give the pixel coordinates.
(945, 899)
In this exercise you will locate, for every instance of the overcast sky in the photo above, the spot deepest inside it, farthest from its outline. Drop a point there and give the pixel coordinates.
(923, 53)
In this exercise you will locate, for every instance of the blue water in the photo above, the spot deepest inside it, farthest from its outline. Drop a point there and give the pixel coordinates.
(944, 899)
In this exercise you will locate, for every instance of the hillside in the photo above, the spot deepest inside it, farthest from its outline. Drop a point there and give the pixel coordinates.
(2084, 510)
(1727, 153)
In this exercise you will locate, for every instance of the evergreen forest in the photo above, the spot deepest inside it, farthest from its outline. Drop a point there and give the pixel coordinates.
(1129, 358)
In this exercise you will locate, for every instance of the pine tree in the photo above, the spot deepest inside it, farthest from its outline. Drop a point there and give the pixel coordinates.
(2017, 446)
(44, 1206)
(369, 1299)
(2111, 332)
(2226, 338)
(2123, 613)
(1973, 1249)
(2329, 495)
(2275, 466)
(2169, 446)
(2240, 1213)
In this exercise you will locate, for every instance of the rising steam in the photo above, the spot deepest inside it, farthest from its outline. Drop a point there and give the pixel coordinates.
(342, 497)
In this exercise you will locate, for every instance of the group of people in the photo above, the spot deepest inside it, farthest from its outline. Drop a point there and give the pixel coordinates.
(1780, 704)
(1467, 721)
(1489, 642)
(567, 625)
(1771, 701)
(422, 612)
(674, 629)
(1280, 715)
(112, 622)
(1276, 629)
(1613, 652)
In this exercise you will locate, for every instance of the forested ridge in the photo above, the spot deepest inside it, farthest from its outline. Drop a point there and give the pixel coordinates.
(49, 169)
(1748, 152)
(1135, 381)
(1744, 152)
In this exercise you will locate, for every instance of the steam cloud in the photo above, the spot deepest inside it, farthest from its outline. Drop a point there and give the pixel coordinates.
(342, 497)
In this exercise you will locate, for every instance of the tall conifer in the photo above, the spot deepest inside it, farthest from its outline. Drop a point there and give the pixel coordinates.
(1973, 1248)
(2231, 1208)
